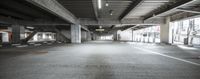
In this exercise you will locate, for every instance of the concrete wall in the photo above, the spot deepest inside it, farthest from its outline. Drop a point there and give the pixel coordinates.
(66, 33)
(85, 35)
(18, 33)
(56, 8)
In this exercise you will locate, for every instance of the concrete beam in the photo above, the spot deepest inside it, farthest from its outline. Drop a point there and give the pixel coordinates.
(82, 21)
(130, 9)
(127, 27)
(189, 10)
(13, 13)
(85, 28)
(8, 20)
(95, 9)
(135, 26)
(55, 8)
(133, 21)
(166, 10)
(183, 15)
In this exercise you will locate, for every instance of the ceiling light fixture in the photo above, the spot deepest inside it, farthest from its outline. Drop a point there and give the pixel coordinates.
(107, 3)
(99, 4)
(100, 27)
(111, 14)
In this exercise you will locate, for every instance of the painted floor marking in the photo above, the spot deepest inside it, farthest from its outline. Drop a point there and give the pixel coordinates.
(146, 50)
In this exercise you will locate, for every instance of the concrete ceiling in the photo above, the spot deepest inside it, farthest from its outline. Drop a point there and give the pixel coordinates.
(195, 4)
(86, 12)
(22, 12)
(89, 8)
(86, 8)
(123, 9)
(117, 6)
(146, 7)
(80, 8)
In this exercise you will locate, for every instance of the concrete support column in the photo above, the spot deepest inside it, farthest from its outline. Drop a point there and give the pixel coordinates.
(63, 35)
(164, 31)
(154, 37)
(115, 36)
(89, 37)
(75, 33)
(94, 36)
(18, 33)
(148, 37)
(59, 38)
(83, 35)
(190, 34)
(132, 34)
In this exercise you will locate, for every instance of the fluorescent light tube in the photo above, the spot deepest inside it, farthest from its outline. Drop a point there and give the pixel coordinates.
(99, 4)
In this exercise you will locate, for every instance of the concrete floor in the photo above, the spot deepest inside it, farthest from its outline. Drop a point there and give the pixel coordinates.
(100, 60)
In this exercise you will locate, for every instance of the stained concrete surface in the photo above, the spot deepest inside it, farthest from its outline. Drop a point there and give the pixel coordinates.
(98, 60)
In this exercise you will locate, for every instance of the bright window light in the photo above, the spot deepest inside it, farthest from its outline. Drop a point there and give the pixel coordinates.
(99, 4)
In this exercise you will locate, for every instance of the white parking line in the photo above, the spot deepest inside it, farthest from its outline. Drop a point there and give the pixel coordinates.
(146, 50)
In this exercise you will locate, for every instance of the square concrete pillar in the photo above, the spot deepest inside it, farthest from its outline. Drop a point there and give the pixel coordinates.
(89, 37)
(115, 36)
(75, 33)
(93, 36)
(18, 33)
(165, 31)
(84, 35)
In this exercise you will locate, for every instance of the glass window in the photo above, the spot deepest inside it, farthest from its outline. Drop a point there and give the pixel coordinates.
(197, 24)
